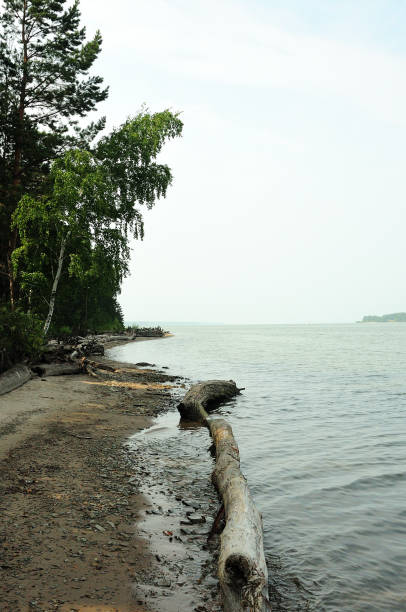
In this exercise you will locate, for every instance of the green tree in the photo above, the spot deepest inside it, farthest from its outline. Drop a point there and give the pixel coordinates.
(44, 88)
(20, 336)
(93, 208)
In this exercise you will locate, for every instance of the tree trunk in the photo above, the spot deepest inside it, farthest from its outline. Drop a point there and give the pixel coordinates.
(11, 247)
(55, 283)
(242, 569)
(18, 153)
(22, 102)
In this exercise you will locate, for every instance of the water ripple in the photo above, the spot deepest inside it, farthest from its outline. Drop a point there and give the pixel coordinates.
(322, 433)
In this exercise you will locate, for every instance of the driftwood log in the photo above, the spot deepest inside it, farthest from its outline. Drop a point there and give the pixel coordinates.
(72, 367)
(14, 378)
(242, 569)
(118, 338)
(57, 369)
(204, 397)
(95, 366)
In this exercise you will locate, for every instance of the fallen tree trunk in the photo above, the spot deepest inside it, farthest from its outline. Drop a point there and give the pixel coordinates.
(72, 367)
(206, 396)
(57, 369)
(242, 569)
(14, 378)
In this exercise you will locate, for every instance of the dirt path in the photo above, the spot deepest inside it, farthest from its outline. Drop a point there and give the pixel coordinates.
(24, 412)
(68, 506)
(73, 535)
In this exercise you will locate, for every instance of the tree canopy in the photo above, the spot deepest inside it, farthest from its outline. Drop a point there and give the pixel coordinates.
(44, 88)
(70, 197)
(92, 208)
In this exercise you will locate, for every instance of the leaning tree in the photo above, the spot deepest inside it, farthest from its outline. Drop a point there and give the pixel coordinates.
(93, 207)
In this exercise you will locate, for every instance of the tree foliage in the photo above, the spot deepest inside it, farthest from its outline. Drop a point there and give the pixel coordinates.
(68, 206)
(20, 336)
(93, 208)
(44, 88)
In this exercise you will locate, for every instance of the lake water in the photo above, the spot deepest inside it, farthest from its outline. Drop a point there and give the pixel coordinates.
(322, 434)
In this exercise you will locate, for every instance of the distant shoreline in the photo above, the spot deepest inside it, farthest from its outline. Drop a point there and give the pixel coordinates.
(395, 317)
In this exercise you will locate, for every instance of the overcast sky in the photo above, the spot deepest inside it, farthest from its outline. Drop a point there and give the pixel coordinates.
(288, 200)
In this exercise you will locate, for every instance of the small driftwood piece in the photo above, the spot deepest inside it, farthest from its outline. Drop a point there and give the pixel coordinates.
(242, 569)
(80, 437)
(95, 368)
(204, 397)
(97, 365)
(89, 368)
(14, 378)
(57, 369)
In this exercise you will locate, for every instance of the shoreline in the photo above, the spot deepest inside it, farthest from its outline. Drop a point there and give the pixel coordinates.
(73, 511)
(114, 343)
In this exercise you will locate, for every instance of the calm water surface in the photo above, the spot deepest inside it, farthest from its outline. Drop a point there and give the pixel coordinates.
(322, 435)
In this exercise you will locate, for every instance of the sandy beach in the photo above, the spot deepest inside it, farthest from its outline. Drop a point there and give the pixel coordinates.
(76, 532)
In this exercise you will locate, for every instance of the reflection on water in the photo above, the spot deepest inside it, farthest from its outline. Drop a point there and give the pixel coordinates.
(322, 435)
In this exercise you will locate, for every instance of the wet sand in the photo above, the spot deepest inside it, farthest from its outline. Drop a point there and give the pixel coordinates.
(90, 523)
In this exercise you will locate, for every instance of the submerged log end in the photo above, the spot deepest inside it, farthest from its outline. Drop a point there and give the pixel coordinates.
(243, 585)
(192, 412)
(205, 397)
(242, 570)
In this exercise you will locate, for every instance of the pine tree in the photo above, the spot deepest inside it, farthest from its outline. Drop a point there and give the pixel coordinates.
(45, 88)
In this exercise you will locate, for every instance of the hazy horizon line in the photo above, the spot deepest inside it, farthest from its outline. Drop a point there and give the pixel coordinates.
(219, 323)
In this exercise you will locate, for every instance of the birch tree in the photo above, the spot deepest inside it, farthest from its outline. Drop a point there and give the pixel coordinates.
(94, 205)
